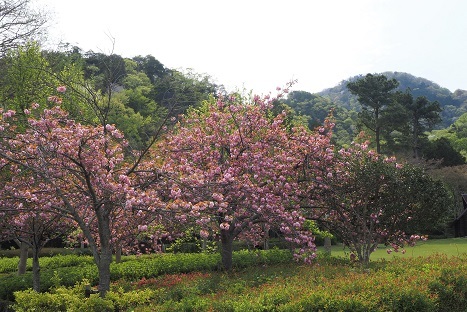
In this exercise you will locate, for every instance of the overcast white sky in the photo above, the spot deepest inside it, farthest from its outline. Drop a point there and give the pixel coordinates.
(262, 44)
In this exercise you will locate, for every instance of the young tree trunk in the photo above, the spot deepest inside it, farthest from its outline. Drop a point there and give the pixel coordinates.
(23, 257)
(266, 237)
(102, 253)
(415, 143)
(366, 252)
(105, 257)
(104, 270)
(36, 270)
(360, 253)
(226, 249)
(377, 139)
(203, 244)
(118, 254)
(327, 245)
(366, 260)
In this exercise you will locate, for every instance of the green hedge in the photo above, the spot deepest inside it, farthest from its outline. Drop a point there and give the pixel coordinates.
(10, 265)
(71, 269)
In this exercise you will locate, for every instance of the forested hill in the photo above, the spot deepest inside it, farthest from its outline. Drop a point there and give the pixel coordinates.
(454, 104)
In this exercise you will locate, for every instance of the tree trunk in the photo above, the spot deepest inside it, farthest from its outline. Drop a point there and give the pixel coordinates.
(266, 237)
(102, 258)
(118, 254)
(415, 142)
(327, 245)
(105, 257)
(366, 251)
(203, 244)
(23, 257)
(36, 270)
(377, 140)
(226, 249)
(104, 271)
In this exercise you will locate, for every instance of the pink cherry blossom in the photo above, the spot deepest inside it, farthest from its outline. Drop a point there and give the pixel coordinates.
(79, 173)
(243, 168)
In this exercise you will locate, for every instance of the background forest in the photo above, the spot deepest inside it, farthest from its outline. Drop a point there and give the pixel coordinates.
(141, 91)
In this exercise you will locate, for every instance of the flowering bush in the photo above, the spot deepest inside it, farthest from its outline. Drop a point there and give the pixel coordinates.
(369, 199)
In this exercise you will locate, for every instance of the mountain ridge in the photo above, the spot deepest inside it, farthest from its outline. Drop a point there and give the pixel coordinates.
(454, 104)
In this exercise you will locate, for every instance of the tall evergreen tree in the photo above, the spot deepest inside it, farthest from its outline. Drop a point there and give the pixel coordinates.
(375, 93)
(421, 116)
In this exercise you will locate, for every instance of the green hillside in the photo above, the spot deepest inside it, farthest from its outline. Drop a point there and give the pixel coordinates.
(453, 104)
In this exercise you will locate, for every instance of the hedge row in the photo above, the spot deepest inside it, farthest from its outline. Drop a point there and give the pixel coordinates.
(10, 265)
(69, 270)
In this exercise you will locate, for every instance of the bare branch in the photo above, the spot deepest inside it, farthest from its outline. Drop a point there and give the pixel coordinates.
(19, 23)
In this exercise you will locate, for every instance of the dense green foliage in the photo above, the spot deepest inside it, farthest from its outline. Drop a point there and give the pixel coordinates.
(456, 179)
(136, 94)
(312, 109)
(455, 135)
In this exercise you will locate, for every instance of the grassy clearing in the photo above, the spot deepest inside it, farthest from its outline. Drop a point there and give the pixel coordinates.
(449, 247)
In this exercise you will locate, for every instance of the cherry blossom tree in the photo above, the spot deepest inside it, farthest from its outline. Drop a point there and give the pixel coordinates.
(30, 228)
(78, 172)
(370, 199)
(234, 169)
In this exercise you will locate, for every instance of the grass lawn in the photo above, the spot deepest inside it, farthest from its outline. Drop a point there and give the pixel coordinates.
(448, 246)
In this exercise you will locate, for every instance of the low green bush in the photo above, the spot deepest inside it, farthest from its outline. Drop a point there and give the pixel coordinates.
(6, 306)
(451, 289)
(59, 261)
(245, 258)
(326, 302)
(72, 299)
(11, 283)
(8, 265)
(186, 304)
(67, 276)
